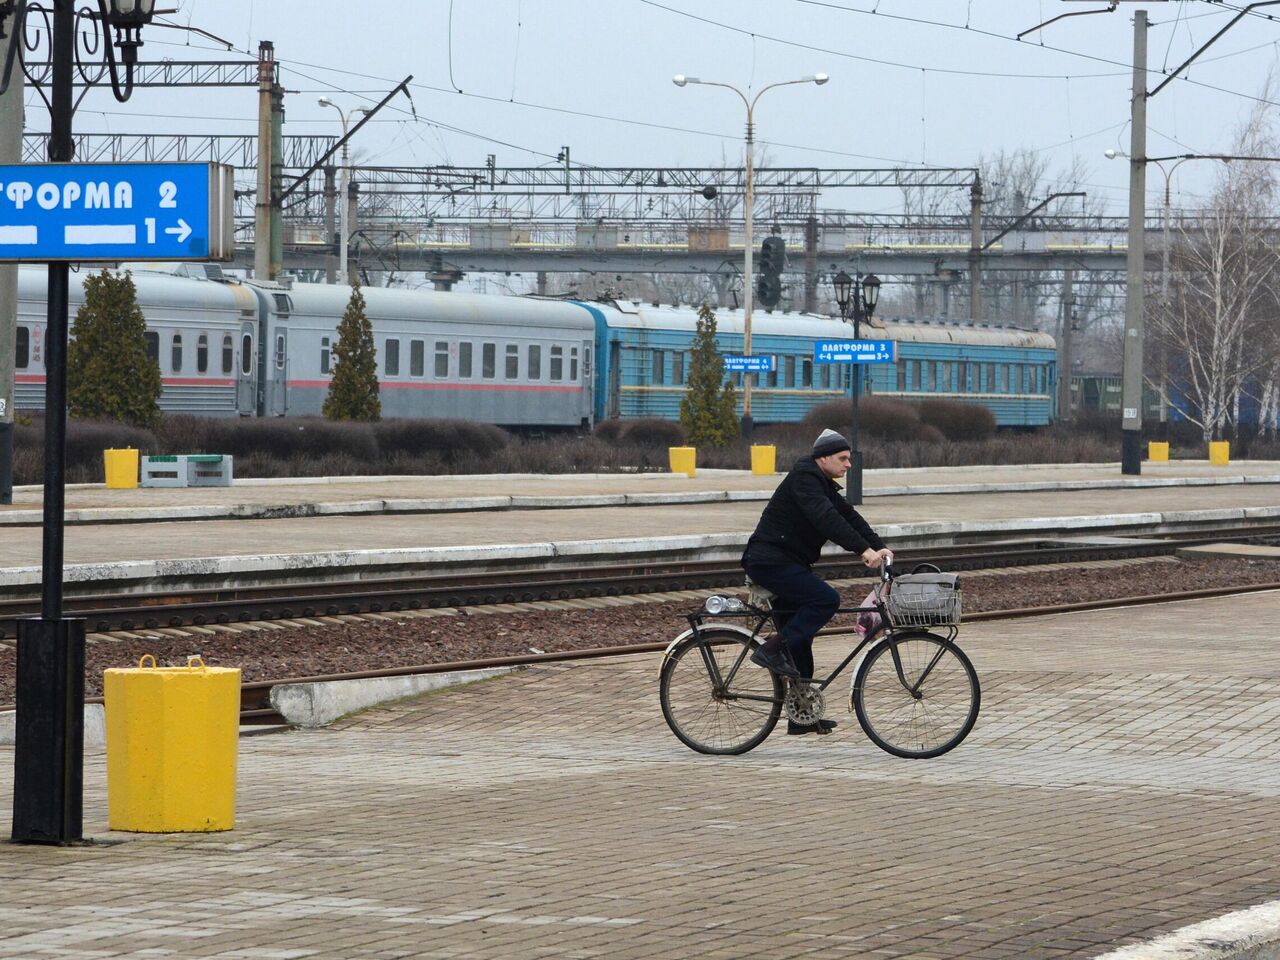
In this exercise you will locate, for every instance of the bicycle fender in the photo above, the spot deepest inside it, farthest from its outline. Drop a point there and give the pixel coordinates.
(689, 633)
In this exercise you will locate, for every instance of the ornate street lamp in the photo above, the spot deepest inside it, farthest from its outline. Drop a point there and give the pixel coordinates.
(48, 776)
(861, 294)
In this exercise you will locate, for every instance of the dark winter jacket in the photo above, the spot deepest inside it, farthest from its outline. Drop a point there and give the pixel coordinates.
(804, 513)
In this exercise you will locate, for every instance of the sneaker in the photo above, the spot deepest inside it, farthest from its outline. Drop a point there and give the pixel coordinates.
(799, 729)
(779, 663)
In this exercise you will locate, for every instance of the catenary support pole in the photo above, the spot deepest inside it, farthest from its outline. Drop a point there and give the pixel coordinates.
(1065, 344)
(1131, 384)
(262, 199)
(10, 152)
(975, 250)
(330, 234)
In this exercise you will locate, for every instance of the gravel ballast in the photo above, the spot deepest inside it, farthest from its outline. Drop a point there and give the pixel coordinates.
(278, 653)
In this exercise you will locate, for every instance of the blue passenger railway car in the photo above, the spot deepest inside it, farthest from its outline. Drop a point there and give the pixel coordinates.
(229, 347)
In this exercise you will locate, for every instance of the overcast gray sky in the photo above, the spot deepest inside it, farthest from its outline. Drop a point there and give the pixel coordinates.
(912, 81)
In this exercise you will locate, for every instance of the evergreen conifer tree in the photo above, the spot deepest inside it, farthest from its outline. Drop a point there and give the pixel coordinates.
(109, 374)
(707, 411)
(353, 391)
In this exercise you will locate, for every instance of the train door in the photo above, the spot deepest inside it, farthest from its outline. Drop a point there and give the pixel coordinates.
(280, 372)
(247, 371)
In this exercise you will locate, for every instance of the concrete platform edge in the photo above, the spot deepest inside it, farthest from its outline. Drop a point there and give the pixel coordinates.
(1250, 934)
(95, 727)
(313, 705)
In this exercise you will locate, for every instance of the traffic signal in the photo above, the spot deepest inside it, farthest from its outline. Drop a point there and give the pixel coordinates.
(769, 290)
(773, 258)
(773, 255)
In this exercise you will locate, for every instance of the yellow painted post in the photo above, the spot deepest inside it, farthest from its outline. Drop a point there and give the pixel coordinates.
(1219, 452)
(172, 734)
(764, 458)
(683, 459)
(1158, 451)
(121, 468)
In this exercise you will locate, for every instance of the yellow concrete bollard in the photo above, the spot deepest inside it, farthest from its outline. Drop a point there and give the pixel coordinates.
(121, 468)
(1158, 451)
(683, 459)
(1219, 452)
(764, 458)
(172, 734)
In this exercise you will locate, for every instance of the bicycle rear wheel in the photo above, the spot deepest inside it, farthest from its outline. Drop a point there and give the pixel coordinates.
(725, 712)
(916, 695)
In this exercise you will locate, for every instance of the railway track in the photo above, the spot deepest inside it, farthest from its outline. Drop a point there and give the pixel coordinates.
(126, 612)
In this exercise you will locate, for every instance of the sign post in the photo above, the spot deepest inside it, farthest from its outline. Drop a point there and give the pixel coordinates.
(855, 352)
(62, 213)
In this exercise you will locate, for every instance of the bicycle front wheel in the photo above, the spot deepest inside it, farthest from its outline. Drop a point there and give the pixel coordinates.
(916, 695)
(714, 698)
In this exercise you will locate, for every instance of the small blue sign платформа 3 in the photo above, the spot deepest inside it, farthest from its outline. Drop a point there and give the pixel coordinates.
(753, 364)
(855, 351)
(108, 211)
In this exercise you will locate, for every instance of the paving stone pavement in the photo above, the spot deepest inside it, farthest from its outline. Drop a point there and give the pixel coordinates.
(1121, 782)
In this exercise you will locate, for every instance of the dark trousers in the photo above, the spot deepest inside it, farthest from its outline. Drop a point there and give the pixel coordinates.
(812, 602)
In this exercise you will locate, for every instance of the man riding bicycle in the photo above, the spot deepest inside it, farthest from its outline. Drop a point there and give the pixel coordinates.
(805, 512)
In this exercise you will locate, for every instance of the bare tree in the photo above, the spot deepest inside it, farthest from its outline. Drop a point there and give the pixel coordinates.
(1219, 327)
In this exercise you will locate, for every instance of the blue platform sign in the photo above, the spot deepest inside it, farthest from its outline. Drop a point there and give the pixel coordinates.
(855, 351)
(749, 364)
(86, 212)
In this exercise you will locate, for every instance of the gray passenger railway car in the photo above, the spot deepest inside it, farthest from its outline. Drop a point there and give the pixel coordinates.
(202, 334)
(512, 361)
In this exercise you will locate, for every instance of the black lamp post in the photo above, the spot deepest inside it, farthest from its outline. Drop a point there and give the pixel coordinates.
(48, 776)
(861, 294)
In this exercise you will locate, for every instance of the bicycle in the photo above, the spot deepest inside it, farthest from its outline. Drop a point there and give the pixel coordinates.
(915, 694)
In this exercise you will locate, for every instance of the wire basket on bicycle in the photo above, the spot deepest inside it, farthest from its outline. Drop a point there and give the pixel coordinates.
(924, 600)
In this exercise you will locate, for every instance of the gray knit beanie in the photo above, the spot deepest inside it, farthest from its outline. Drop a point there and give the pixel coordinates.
(829, 442)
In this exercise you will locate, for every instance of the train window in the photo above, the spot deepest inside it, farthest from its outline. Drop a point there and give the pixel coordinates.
(659, 367)
(901, 369)
(989, 380)
(489, 360)
(948, 375)
(1003, 385)
(913, 380)
(932, 367)
(280, 351)
(23, 356)
(573, 364)
(533, 362)
(971, 377)
(791, 371)
(391, 358)
(806, 372)
(442, 359)
(175, 355)
(464, 360)
(417, 358)
(326, 354)
(228, 355)
(202, 354)
(586, 363)
(512, 368)
(246, 353)
(557, 363)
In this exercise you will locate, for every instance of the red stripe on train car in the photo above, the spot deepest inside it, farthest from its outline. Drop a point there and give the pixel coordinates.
(499, 387)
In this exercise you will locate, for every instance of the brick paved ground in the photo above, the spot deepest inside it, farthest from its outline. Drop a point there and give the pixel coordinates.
(1121, 782)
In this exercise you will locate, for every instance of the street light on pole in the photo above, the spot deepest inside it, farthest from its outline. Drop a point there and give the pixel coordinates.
(861, 294)
(680, 80)
(345, 189)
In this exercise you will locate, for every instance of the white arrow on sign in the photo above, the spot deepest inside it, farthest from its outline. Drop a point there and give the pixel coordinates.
(181, 231)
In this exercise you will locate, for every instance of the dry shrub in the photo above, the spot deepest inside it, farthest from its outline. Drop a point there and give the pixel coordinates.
(609, 431)
(651, 431)
(449, 441)
(958, 420)
(878, 417)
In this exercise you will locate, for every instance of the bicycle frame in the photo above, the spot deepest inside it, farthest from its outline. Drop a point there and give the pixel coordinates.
(886, 629)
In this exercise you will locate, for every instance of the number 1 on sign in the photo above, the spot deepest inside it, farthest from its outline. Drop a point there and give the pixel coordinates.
(151, 229)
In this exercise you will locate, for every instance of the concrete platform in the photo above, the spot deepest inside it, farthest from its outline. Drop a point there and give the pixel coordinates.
(347, 543)
(1120, 784)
